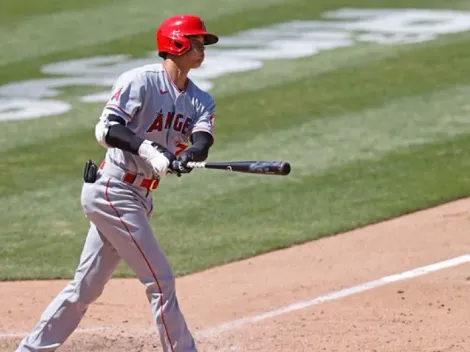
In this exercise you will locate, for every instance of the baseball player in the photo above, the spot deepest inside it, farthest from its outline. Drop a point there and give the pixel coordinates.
(153, 113)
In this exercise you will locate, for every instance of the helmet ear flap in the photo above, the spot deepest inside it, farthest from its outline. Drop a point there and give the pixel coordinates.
(174, 46)
(172, 35)
(181, 45)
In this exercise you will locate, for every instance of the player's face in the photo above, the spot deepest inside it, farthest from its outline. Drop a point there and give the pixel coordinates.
(195, 56)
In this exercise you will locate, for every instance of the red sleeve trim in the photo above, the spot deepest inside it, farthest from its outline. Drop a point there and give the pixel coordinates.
(120, 109)
(205, 129)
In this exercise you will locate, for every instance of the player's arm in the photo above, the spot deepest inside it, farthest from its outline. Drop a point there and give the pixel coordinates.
(201, 142)
(129, 94)
(117, 135)
(111, 131)
(202, 137)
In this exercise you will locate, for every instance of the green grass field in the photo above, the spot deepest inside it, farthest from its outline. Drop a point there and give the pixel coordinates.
(372, 130)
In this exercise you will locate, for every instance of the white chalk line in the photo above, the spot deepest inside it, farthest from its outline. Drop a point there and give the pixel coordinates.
(334, 295)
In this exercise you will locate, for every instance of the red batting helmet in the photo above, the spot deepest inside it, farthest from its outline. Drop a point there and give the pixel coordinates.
(172, 35)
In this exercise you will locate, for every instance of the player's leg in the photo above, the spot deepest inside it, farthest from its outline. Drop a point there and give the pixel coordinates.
(143, 254)
(130, 233)
(62, 316)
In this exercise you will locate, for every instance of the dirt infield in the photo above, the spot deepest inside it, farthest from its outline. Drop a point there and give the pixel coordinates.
(268, 303)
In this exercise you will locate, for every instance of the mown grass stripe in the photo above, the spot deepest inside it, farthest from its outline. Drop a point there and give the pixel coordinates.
(280, 72)
(14, 11)
(271, 215)
(311, 147)
(330, 87)
(66, 30)
(234, 18)
(84, 116)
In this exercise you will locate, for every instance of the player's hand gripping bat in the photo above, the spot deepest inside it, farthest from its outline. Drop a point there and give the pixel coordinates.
(262, 167)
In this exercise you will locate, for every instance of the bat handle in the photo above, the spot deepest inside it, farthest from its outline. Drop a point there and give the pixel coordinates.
(191, 164)
(196, 164)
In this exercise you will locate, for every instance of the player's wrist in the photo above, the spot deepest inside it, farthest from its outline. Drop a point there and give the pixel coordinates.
(146, 150)
(149, 150)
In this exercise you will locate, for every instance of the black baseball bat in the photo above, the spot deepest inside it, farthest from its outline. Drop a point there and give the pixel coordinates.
(261, 167)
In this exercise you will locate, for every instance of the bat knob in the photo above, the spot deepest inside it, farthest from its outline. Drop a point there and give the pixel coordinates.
(285, 168)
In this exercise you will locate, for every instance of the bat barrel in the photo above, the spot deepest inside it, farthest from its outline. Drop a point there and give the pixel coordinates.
(251, 167)
(270, 167)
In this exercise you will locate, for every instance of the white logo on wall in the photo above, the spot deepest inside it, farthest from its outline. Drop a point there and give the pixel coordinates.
(242, 52)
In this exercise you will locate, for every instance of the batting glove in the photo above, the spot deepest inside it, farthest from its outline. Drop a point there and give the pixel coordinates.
(179, 166)
(156, 156)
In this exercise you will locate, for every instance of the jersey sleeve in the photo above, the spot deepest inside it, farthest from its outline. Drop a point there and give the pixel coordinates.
(205, 119)
(127, 96)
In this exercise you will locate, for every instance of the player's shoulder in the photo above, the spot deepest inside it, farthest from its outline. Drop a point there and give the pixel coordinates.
(200, 96)
(141, 73)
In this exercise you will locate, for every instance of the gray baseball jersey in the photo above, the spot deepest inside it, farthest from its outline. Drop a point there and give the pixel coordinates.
(119, 211)
(154, 108)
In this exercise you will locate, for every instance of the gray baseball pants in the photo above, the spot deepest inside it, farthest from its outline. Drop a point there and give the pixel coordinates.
(119, 215)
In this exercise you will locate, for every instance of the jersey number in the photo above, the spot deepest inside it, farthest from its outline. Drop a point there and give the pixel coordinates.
(180, 148)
